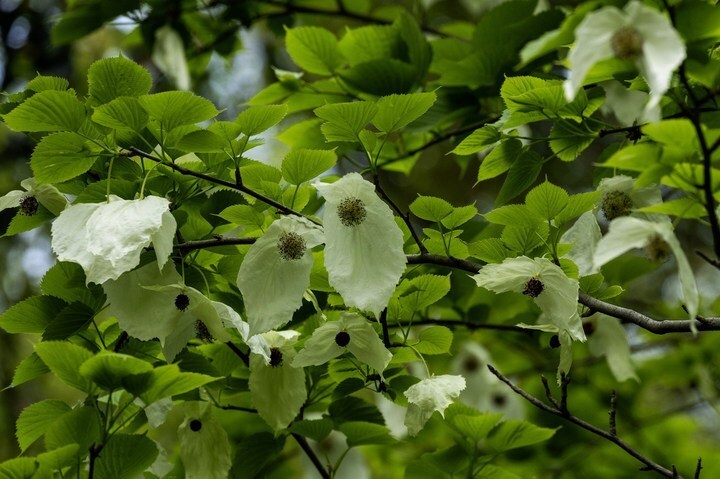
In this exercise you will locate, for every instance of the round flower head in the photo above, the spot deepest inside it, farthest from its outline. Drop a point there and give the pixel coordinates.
(639, 34)
(277, 387)
(435, 393)
(352, 333)
(619, 197)
(276, 272)
(106, 239)
(628, 233)
(540, 279)
(149, 303)
(364, 246)
(34, 195)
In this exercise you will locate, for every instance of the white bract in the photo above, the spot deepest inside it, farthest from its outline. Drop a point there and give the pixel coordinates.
(627, 233)
(435, 393)
(46, 195)
(276, 272)
(204, 446)
(609, 340)
(277, 387)
(639, 34)
(351, 333)
(583, 236)
(106, 239)
(628, 105)
(149, 304)
(364, 246)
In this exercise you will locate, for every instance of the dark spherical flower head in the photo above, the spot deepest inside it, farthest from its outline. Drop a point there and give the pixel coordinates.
(616, 204)
(291, 246)
(534, 287)
(202, 332)
(195, 425)
(555, 341)
(182, 301)
(657, 249)
(276, 357)
(342, 339)
(28, 205)
(627, 43)
(351, 211)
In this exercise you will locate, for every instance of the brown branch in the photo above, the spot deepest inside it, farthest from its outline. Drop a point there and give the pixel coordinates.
(405, 216)
(384, 324)
(210, 243)
(648, 463)
(245, 357)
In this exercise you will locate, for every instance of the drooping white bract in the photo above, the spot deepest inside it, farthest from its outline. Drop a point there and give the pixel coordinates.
(277, 387)
(47, 195)
(276, 272)
(364, 246)
(583, 236)
(106, 239)
(639, 34)
(542, 280)
(352, 333)
(435, 393)
(149, 304)
(629, 106)
(610, 340)
(628, 233)
(204, 445)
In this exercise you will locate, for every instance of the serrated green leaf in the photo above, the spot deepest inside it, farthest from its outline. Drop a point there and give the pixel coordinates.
(478, 140)
(70, 320)
(42, 83)
(422, 291)
(29, 368)
(80, 426)
(202, 141)
(418, 47)
(303, 165)
(370, 42)
(547, 200)
(500, 159)
(64, 360)
(125, 456)
(50, 110)
(351, 408)
(176, 108)
(514, 433)
(382, 76)
(243, 215)
(345, 120)
(314, 49)
(686, 207)
(490, 250)
(398, 111)
(568, 139)
(514, 215)
(112, 371)
(459, 216)
(577, 205)
(60, 157)
(435, 340)
(257, 119)
(475, 427)
(523, 240)
(21, 223)
(170, 381)
(60, 458)
(31, 315)
(359, 433)
(67, 282)
(36, 418)
(121, 113)
(430, 208)
(111, 78)
(24, 468)
(521, 175)
(317, 429)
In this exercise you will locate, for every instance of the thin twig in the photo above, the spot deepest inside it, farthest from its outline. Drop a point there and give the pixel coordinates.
(311, 454)
(698, 468)
(384, 324)
(244, 356)
(472, 325)
(612, 413)
(405, 216)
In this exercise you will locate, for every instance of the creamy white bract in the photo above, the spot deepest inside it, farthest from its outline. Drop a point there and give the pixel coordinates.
(106, 239)
(435, 393)
(204, 445)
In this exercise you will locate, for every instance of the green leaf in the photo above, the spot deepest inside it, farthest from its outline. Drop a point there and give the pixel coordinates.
(430, 208)
(435, 340)
(514, 215)
(381, 77)
(112, 371)
(514, 433)
(80, 426)
(254, 452)
(352, 408)
(525, 240)
(490, 250)
(243, 215)
(21, 223)
(176, 108)
(698, 21)
(568, 139)
(169, 381)
(70, 320)
(49, 110)
(29, 368)
(67, 281)
(125, 456)
(547, 200)
(111, 78)
(317, 429)
(60, 458)
(35, 420)
(359, 433)
(459, 216)
(202, 141)
(521, 175)
(257, 119)
(398, 111)
(476, 427)
(577, 205)
(422, 291)
(478, 140)
(60, 157)
(418, 47)
(686, 207)
(31, 315)
(500, 159)
(24, 468)
(314, 49)
(516, 86)
(64, 360)
(345, 120)
(370, 42)
(303, 165)
(43, 83)
(124, 112)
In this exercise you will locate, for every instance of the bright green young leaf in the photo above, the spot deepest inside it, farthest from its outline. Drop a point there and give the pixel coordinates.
(422, 291)
(202, 141)
(257, 119)
(314, 49)
(243, 215)
(577, 205)
(490, 250)
(500, 159)
(24, 468)
(686, 207)
(475, 427)
(36, 418)
(31, 315)
(60, 458)
(514, 433)
(430, 208)
(29, 368)
(80, 426)
(303, 165)
(398, 111)
(176, 108)
(370, 42)
(360, 433)
(21, 223)
(170, 381)
(478, 140)
(524, 240)
(435, 340)
(547, 200)
(111, 78)
(60, 157)
(64, 360)
(49, 110)
(125, 456)
(345, 120)
(459, 216)
(568, 139)
(42, 83)
(514, 215)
